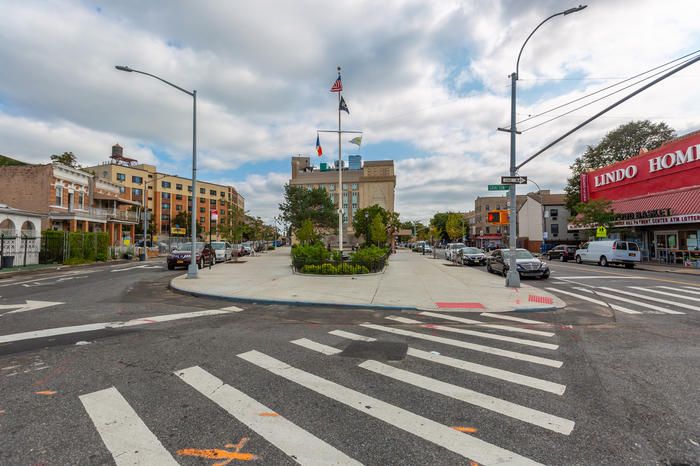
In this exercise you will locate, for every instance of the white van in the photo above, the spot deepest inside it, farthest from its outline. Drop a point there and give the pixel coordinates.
(609, 252)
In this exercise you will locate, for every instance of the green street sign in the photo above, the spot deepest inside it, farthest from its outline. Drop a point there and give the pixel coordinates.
(499, 187)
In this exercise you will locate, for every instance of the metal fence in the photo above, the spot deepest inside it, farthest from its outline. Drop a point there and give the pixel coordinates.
(336, 267)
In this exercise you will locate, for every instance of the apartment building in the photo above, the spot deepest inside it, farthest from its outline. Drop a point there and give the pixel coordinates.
(165, 196)
(364, 184)
(544, 218)
(68, 199)
(484, 234)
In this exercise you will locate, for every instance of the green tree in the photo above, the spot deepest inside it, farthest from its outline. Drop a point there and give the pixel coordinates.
(313, 204)
(377, 230)
(306, 233)
(67, 158)
(453, 226)
(619, 144)
(182, 220)
(439, 221)
(362, 221)
(596, 212)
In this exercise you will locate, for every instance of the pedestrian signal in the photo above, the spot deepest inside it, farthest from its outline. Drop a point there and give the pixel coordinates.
(497, 217)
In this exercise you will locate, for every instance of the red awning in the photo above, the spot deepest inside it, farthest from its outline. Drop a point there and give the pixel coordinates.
(681, 202)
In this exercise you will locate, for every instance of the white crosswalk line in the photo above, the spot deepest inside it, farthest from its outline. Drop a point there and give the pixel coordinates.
(466, 345)
(446, 437)
(488, 371)
(692, 288)
(302, 446)
(505, 328)
(630, 301)
(514, 319)
(665, 293)
(652, 298)
(682, 290)
(124, 434)
(497, 405)
(318, 347)
(474, 333)
(594, 301)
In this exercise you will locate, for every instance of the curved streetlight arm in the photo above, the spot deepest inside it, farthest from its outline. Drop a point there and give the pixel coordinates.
(131, 70)
(561, 13)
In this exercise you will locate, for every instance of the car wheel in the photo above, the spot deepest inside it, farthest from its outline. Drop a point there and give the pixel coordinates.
(629, 266)
(578, 259)
(213, 260)
(545, 276)
(561, 258)
(603, 261)
(200, 264)
(171, 266)
(489, 269)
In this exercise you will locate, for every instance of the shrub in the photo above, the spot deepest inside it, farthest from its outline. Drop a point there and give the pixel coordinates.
(309, 254)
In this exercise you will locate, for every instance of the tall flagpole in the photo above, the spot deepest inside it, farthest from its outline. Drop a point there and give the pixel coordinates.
(340, 178)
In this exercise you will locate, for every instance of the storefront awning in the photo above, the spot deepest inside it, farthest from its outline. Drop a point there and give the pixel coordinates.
(680, 201)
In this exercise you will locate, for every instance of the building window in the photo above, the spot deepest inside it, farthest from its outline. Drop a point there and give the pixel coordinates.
(222, 202)
(165, 206)
(165, 184)
(136, 179)
(121, 177)
(223, 194)
(345, 186)
(354, 186)
(212, 202)
(178, 197)
(201, 200)
(59, 195)
(331, 187)
(354, 206)
(223, 212)
(553, 213)
(555, 229)
(354, 197)
(178, 208)
(202, 191)
(122, 189)
(202, 209)
(165, 217)
(212, 192)
(165, 195)
(487, 207)
(189, 188)
(201, 220)
(178, 186)
(136, 192)
(488, 230)
(81, 201)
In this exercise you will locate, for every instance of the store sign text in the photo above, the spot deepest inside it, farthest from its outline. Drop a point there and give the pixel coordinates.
(643, 214)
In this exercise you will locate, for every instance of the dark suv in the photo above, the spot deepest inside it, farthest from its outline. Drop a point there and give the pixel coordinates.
(180, 257)
(563, 252)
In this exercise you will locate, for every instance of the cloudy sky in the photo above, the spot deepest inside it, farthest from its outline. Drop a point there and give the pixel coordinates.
(426, 81)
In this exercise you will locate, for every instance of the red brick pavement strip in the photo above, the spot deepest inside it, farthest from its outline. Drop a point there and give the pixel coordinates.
(540, 299)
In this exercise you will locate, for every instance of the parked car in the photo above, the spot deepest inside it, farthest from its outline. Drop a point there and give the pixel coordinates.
(222, 251)
(247, 249)
(528, 265)
(562, 252)
(471, 256)
(418, 246)
(609, 252)
(451, 250)
(181, 256)
(428, 248)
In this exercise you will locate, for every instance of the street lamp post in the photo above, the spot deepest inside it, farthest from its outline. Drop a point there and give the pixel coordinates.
(192, 269)
(513, 278)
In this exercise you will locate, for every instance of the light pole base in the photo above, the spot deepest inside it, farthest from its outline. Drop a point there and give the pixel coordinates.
(513, 279)
(142, 257)
(192, 271)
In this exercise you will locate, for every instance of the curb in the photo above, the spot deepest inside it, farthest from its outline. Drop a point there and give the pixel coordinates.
(677, 272)
(380, 307)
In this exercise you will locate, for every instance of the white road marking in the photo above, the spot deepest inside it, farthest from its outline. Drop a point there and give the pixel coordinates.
(506, 328)
(29, 305)
(138, 267)
(603, 277)
(470, 346)
(318, 347)
(594, 301)
(631, 301)
(51, 332)
(490, 336)
(294, 441)
(488, 371)
(232, 309)
(446, 437)
(36, 280)
(497, 405)
(683, 290)
(514, 319)
(692, 288)
(665, 293)
(124, 434)
(651, 298)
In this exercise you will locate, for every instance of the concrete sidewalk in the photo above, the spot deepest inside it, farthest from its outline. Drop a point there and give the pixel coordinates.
(411, 281)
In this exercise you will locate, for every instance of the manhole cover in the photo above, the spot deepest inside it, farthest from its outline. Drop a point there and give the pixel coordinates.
(379, 350)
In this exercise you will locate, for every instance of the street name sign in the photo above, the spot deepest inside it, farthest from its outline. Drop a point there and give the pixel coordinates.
(513, 179)
(499, 187)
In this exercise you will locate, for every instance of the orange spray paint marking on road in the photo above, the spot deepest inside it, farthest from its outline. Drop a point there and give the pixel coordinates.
(220, 454)
(46, 392)
(468, 430)
(270, 414)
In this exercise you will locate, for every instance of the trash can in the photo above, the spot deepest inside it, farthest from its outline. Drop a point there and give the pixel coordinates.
(8, 261)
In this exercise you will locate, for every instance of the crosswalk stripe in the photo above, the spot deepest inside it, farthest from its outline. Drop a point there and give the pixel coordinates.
(514, 319)
(665, 293)
(51, 332)
(318, 347)
(682, 290)
(466, 345)
(651, 298)
(691, 288)
(446, 437)
(124, 434)
(631, 301)
(506, 328)
(490, 336)
(497, 405)
(488, 371)
(594, 301)
(294, 441)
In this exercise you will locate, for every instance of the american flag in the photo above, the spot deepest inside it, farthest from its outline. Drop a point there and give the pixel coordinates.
(337, 85)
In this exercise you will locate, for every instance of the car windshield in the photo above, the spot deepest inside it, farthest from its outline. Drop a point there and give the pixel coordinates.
(458, 246)
(472, 251)
(519, 254)
(188, 246)
(218, 245)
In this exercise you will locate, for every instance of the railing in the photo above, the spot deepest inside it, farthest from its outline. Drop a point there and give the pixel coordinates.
(126, 215)
(336, 267)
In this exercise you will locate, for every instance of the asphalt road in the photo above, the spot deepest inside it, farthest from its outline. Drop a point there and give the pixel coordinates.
(120, 370)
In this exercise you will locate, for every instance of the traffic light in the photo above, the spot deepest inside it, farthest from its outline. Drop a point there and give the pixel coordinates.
(497, 217)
